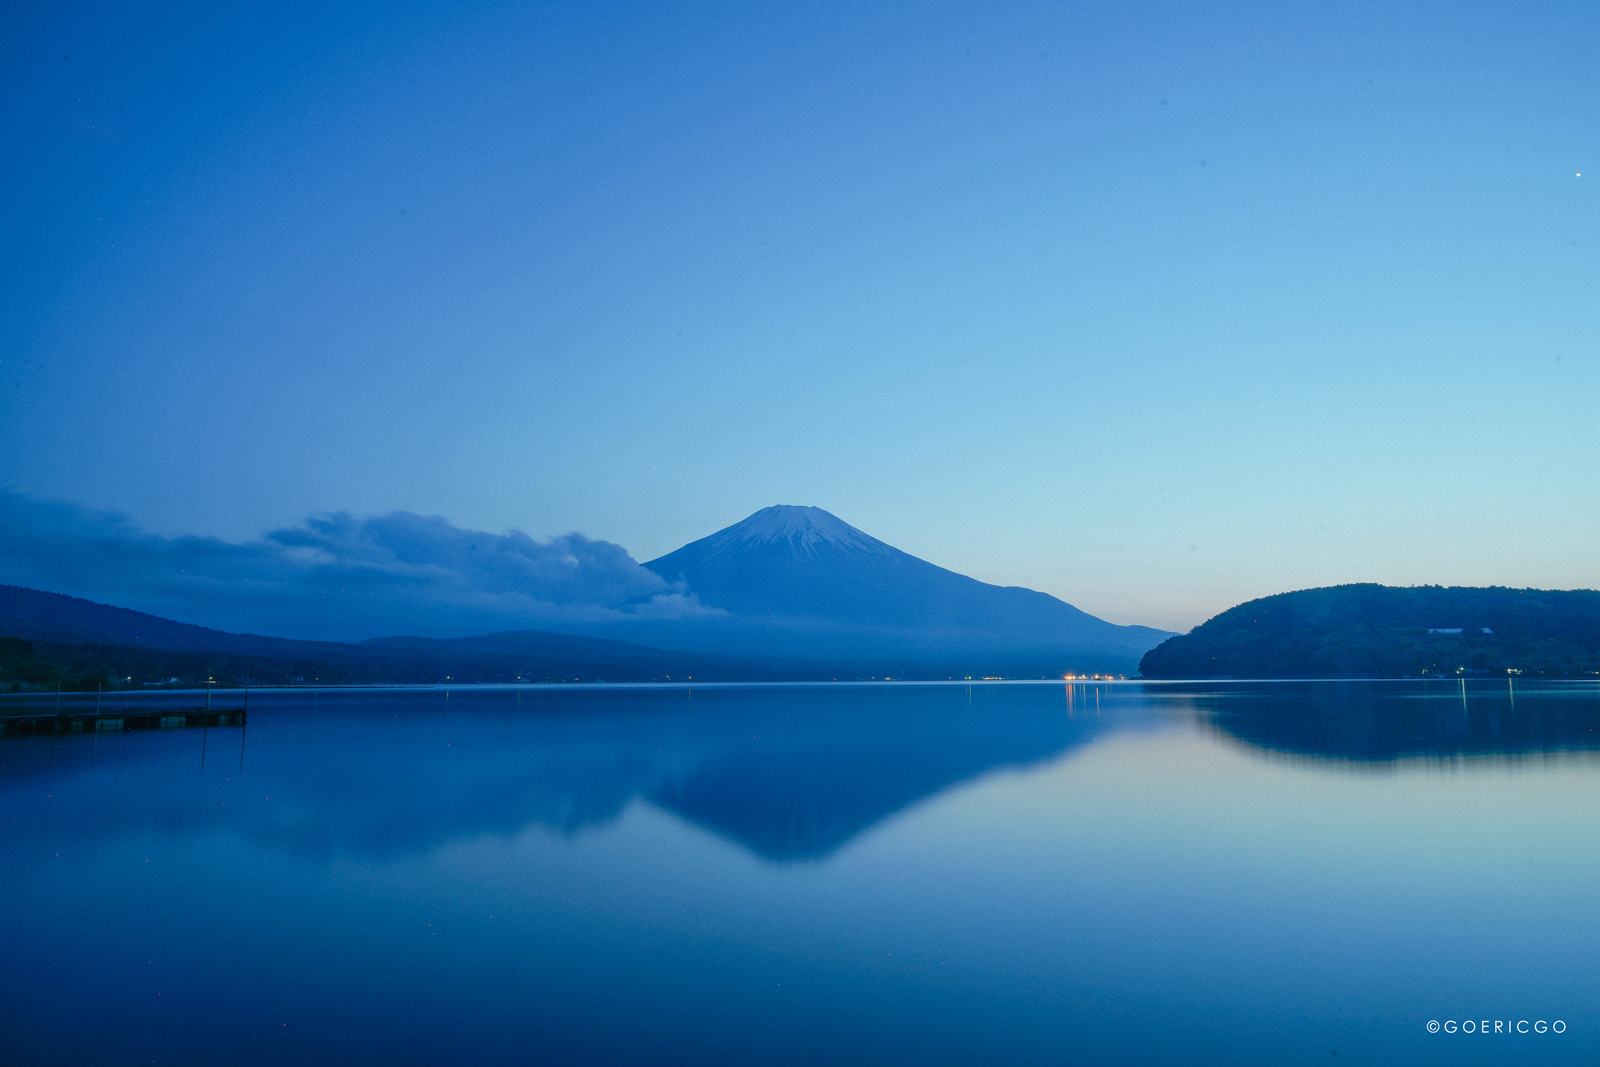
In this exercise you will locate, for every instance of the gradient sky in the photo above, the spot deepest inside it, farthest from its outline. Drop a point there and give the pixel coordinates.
(1156, 308)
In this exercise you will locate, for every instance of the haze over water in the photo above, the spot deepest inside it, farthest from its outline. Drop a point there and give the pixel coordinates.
(1242, 873)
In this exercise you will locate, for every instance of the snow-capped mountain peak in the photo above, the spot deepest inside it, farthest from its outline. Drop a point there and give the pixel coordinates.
(806, 529)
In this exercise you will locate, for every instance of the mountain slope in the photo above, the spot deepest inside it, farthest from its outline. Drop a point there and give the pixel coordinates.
(801, 568)
(1378, 631)
(40, 616)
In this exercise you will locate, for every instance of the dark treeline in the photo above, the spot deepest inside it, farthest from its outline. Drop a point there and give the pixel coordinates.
(76, 667)
(40, 665)
(1382, 631)
(44, 665)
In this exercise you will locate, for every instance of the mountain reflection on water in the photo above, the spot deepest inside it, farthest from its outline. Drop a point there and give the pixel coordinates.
(790, 773)
(1383, 721)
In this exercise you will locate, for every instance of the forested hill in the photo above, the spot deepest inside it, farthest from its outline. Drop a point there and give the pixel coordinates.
(1384, 631)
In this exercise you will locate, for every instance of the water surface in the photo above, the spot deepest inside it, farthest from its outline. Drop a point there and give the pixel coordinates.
(1269, 873)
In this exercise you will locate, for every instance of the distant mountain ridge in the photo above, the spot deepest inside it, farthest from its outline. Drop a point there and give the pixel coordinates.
(49, 639)
(87, 640)
(801, 566)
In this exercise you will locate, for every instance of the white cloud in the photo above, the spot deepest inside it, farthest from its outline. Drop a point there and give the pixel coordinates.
(335, 576)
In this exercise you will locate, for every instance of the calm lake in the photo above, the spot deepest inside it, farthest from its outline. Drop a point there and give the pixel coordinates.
(1017, 873)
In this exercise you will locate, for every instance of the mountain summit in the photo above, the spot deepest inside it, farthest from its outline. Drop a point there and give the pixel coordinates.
(805, 581)
(809, 531)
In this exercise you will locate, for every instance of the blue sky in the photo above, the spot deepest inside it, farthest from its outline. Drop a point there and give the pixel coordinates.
(1157, 308)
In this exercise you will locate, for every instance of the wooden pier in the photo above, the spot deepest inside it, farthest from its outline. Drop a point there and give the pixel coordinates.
(51, 723)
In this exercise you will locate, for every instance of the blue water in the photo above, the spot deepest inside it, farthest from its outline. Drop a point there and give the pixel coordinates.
(1272, 873)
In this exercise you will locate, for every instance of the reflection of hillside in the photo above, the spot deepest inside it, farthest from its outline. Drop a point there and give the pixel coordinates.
(789, 773)
(1381, 721)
